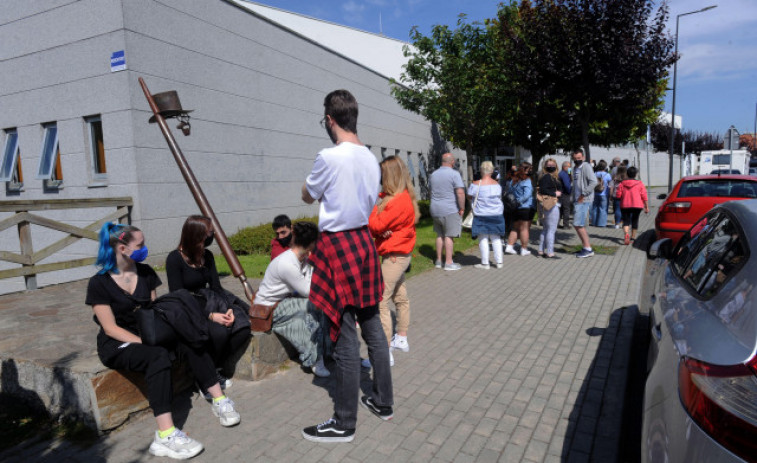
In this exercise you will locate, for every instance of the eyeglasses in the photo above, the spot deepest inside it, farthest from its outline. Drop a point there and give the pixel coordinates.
(323, 122)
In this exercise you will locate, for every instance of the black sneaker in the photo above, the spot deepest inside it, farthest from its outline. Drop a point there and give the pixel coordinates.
(328, 431)
(385, 413)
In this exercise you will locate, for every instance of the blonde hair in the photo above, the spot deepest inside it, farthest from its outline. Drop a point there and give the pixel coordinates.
(544, 168)
(395, 179)
(487, 168)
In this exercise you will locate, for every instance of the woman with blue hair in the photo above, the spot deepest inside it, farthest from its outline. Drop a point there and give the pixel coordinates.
(122, 286)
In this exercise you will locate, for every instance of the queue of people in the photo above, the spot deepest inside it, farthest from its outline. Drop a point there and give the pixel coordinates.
(326, 280)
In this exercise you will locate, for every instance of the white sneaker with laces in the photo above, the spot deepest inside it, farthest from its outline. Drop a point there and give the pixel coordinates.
(500, 265)
(176, 445)
(525, 252)
(320, 370)
(224, 410)
(510, 250)
(399, 342)
(482, 266)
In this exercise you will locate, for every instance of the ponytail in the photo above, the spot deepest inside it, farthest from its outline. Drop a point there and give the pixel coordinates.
(110, 235)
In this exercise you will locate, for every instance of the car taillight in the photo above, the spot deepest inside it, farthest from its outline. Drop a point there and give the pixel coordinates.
(678, 206)
(722, 400)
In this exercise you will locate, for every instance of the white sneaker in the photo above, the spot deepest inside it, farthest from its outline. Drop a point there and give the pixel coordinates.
(525, 252)
(176, 445)
(320, 370)
(224, 410)
(438, 264)
(500, 265)
(399, 342)
(391, 359)
(482, 266)
(509, 250)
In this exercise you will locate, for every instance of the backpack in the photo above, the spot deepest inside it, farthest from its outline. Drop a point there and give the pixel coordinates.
(600, 184)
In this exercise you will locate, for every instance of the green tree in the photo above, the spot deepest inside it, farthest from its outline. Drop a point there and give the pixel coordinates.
(593, 71)
(452, 79)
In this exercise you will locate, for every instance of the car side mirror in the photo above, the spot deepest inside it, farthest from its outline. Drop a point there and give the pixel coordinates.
(662, 196)
(661, 248)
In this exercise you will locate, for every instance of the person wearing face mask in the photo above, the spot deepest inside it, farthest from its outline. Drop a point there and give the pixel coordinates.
(584, 182)
(286, 285)
(282, 226)
(121, 286)
(192, 266)
(551, 190)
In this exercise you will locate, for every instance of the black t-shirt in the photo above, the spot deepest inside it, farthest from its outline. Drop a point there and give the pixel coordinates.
(181, 276)
(549, 186)
(102, 289)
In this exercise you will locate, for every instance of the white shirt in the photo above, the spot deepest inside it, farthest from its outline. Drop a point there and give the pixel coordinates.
(346, 180)
(285, 276)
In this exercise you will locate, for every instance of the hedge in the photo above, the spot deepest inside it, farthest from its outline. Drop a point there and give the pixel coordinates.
(257, 240)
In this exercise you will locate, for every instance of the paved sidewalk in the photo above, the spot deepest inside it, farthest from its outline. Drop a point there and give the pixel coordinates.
(524, 363)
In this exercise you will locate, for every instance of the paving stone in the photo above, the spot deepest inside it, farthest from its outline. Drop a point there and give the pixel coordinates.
(521, 380)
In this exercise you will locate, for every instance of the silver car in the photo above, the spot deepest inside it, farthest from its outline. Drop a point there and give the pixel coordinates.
(700, 400)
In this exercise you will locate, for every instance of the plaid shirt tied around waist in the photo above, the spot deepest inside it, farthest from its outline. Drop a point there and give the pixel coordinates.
(346, 272)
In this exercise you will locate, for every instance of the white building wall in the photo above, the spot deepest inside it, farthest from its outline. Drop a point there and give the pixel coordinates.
(257, 93)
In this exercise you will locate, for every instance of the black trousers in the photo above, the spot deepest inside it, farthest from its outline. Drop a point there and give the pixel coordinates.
(155, 363)
(223, 343)
(565, 206)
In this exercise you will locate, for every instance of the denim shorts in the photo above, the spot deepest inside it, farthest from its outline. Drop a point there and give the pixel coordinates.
(581, 213)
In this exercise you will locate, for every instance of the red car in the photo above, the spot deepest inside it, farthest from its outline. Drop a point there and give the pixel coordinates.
(693, 196)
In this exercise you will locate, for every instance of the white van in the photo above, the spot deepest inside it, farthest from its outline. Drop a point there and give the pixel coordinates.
(721, 160)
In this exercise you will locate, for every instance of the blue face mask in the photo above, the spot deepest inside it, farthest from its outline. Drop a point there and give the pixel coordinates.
(139, 255)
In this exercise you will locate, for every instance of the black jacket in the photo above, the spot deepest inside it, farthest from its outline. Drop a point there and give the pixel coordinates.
(213, 301)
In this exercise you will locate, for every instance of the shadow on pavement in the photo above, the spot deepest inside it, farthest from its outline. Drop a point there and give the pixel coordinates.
(605, 423)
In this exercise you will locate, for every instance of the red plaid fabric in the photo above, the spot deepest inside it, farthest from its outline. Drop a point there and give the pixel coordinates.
(346, 272)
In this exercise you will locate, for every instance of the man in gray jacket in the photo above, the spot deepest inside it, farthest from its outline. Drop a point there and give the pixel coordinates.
(584, 182)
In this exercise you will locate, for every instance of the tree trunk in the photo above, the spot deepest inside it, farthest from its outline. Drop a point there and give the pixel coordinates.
(469, 161)
(585, 139)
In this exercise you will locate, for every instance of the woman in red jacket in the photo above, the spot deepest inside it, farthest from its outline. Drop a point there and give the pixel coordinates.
(392, 224)
(633, 198)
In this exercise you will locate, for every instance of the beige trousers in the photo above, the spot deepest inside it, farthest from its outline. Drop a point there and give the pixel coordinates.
(393, 268)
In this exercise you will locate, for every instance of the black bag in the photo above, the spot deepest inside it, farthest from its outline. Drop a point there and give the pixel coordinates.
(153, 328)
(151, 324)
(510, 202)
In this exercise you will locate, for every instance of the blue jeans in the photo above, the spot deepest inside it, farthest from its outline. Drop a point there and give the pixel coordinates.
(580, 213)
(599, 211)
(549, 223)
(347, 357)
(616, 210)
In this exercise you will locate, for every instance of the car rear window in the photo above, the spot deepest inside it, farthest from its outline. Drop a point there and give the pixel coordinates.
(718, 188)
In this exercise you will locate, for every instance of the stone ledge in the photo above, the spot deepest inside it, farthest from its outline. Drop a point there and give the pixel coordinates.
(104, 399)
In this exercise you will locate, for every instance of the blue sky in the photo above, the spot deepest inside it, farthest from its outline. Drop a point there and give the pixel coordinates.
(717, 72)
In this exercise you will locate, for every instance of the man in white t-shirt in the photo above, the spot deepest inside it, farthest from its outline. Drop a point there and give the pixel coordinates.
(287, 283)
(346, 282)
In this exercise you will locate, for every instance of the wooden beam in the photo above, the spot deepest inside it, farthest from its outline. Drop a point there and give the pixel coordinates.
(63, 227)
(15, 258)
(67, 241)
(35, 269)
(50, 204)
(13, 220)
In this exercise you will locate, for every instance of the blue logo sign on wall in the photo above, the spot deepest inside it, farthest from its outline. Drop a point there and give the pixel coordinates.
(117, 61)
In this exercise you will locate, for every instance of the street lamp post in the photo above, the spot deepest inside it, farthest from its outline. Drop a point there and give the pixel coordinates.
(675, 86)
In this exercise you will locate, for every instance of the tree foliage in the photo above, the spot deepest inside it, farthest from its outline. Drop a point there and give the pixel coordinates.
(695, 141)
(451, 79)
(593, 71)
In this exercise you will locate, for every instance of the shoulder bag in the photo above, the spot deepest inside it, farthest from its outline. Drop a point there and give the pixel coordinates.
(261, 317)
(547, 202)
(468, 220)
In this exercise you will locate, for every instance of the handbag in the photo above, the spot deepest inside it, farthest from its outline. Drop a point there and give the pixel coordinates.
(153, 328)
(547, 202)
(261, 317)
(510, 202)
(468, 220)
